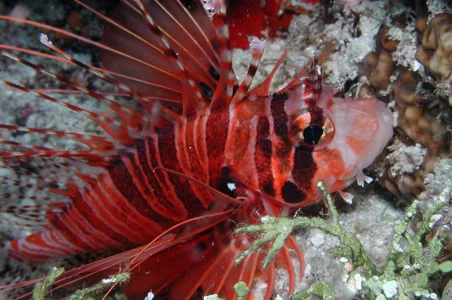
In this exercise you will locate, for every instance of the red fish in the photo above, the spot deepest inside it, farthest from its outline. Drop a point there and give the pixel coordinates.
(196, 154)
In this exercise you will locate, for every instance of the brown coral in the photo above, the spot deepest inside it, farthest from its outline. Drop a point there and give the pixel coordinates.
(435, 50)
(378, 65)
(420, 112)
(419, 122)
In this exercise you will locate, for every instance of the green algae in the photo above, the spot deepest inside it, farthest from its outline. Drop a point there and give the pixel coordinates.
(411, 260)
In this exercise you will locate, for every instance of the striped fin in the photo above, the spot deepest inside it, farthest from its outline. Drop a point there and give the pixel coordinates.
(150, 105)
(211, 268)
(192, 98)
(129, 48)
(180, 38)
(257, 49)
(121, 111)
(99, 72)
(119, 131)
(116, 129)
(33, 217)
(227, 79)
(164, 84)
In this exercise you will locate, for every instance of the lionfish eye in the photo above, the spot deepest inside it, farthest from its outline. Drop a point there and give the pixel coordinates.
(306, 131)
(312, 134)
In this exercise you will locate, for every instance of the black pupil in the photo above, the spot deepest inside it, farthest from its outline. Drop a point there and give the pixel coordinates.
(312, 134)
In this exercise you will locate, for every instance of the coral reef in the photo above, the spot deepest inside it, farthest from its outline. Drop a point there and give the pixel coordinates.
(366, 49)
(412, 259)
(435, 50)
(398, 71)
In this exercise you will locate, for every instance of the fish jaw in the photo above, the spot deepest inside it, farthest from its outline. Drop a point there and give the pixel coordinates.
(363, 127)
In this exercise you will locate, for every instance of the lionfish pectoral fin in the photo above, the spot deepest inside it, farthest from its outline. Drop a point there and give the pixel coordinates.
(203, 265)
(159, 272)
(217, 273)
(188, 247)
(174, 44)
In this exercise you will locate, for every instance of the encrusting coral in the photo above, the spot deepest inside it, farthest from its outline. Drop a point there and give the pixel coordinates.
(419, 122)
(435, 50)
(378, 65)
(421, 110)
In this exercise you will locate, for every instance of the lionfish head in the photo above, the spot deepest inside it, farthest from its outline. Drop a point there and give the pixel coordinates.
(334, 138)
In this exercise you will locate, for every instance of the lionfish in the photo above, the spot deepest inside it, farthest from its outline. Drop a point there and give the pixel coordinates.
(191, 155)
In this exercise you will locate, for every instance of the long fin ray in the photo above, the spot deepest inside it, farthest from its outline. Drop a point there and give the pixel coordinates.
(227, 80)
(192, 99)
(180, 16)
(176, 33)
(133, 121)
(257, 49)
(88, 41)
(114, 128)
(264, 88)
(169, 94)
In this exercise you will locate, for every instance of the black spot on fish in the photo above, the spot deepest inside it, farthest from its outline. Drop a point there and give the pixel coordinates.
(227, 185)
(170, 53)
(252, 70)
(205, 89)
(214, 73)
(291, 193)
(234, 89)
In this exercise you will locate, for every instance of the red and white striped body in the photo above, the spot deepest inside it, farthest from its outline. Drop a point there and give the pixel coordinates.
(201, 153)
